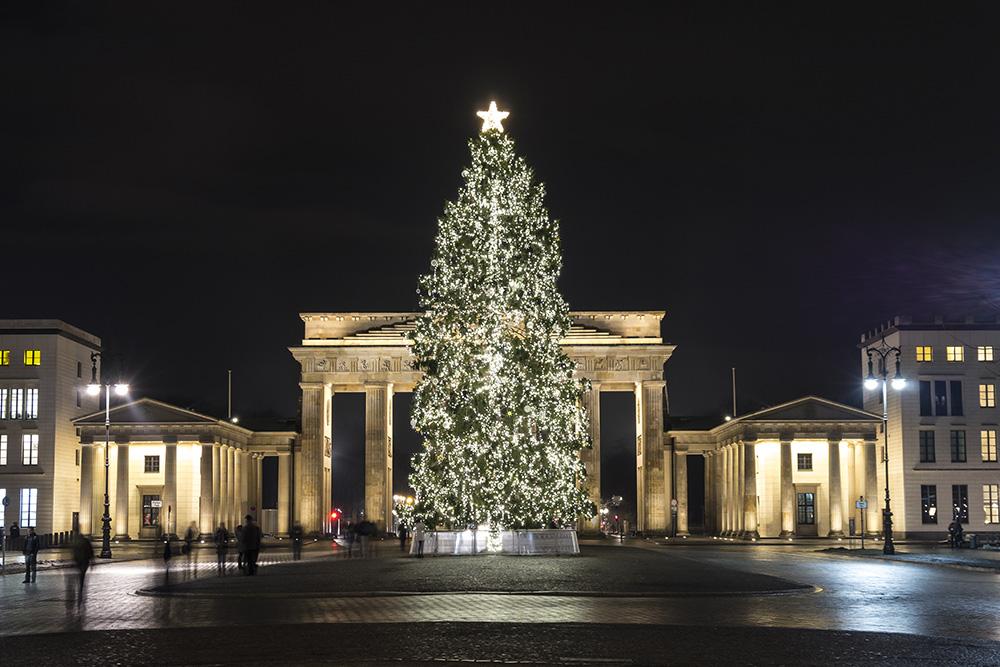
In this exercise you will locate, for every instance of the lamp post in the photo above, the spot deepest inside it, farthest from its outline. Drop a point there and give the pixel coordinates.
(94, 389)
(881, 353)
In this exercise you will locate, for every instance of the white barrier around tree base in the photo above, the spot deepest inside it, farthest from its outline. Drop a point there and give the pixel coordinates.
(554, 542)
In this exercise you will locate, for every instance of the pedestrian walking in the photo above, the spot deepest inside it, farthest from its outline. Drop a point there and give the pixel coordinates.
(402, 538)
(296, 536)
(32, 544)
(239, 546)
(221, 548)
(188, 548)
(83, 554)
(419, 530)
(366, 531)
(352, 536)
(168, 553)
(15, 535)
(251, 545)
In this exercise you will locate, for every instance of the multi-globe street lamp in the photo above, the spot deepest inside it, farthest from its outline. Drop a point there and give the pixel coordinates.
(898, 382)
(94, 389)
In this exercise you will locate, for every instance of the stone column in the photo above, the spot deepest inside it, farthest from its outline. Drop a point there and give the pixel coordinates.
(217, 515)
(258, 478)
(750, 490)
(740, 488)
(872, 517)
(231, 511)
(207, 513)
(592, 457)
(836, 504)
(170, 488)
(314, 453)
(640, 473)
(787, 490)
(122, 492)
(681, 491)
(284, 492)
(656, 498)
(721, 472)
(378, 455)
(732, 490)
(223, 514)
(86, 489)
(239, 495)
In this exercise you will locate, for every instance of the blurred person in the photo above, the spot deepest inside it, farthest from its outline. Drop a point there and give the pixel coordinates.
(15, 535)
(221, 548)
(188, 548)
(32, 544)
(83, 554)
(168, 553)
(352, 534)
(296, 535)
(402, 538)
(251, 545)
(419, 534)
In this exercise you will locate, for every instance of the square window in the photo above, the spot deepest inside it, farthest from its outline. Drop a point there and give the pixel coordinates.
(151, 464)
(32, 357)
(29, 508)
(925, 353)
(927, 453)
(984, 353)
(954, 353)
(987, 395)
(991, 503)
(958, 446)
(4, 357)
(988, 438)
(805, 461)
(29, 449)
(928, 503)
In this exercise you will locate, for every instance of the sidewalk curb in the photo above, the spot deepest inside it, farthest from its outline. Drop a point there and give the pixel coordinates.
(911, 561)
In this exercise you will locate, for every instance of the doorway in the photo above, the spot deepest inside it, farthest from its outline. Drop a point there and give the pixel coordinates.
(618, 475)
(152, 505)
(805, 511)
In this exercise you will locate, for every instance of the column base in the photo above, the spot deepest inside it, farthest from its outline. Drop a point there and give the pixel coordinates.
(751, 535)
(121, 538)
(683, 533)
(787, 533)
(835, 533)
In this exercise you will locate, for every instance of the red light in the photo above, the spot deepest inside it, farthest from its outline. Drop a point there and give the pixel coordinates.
(333, 515)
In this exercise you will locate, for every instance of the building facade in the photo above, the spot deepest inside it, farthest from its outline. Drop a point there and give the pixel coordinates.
(943, 426)
(170, 468)
(44, 365)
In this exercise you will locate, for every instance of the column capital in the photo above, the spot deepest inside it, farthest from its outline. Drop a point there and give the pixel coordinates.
(834, 437)
(313, 385)
(653, 383)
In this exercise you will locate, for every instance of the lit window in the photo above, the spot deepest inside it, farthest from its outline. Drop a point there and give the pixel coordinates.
(805, 461)
(4, 357)
(3, 510)
(989, 442)
(987, 396)
(31, 403)
(928, 504)
(984, 353)
(152, 464)
(960, 502)
(991, 502)
(29, 449)
(32, 357)
(3, 402)
(954, 353)
(29, 508)
(16, 403)
(925, 353)
(3, 450)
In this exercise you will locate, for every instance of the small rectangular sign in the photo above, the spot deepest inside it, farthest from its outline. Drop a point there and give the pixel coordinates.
(861, 504)
(156, 503)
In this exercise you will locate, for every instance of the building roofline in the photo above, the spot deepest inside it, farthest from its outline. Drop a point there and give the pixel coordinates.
(15, 327)
(935, 323)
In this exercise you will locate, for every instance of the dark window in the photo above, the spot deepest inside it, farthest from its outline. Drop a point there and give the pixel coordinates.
(152, 464)
(958, 446)
(960, 502)
(927, 447)
(925, 398)
(77, 398)
(805, 461)
(79, 369)
(940, 397)
(928, 503)
(807, 509)
(956, 398)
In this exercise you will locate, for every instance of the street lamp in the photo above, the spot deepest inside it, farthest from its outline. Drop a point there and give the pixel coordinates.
(898, 382)
(94, 389)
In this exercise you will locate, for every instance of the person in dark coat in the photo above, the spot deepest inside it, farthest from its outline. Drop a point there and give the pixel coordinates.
(83, 554)
(251, 545)
(221, 547)
(239, 546)
(32, 544)
(403, 534)
(296, 535)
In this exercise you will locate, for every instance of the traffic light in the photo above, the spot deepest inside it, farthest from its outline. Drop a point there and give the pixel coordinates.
(334, 515)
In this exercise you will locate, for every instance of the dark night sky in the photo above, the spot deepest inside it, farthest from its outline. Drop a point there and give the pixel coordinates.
(184, 183)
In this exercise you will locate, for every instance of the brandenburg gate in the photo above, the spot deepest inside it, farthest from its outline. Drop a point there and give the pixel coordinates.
(370, 353)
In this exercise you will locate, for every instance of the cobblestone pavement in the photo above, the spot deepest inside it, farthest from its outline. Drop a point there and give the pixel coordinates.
(958, 608)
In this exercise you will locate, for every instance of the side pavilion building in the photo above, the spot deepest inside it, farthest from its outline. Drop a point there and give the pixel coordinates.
(796, 469)
(171, 467)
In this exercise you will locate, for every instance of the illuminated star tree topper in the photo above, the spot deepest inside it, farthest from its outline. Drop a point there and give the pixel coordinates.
(498, 406)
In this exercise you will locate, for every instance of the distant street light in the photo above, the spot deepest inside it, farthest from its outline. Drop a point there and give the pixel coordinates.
(898, 382)
(94, 389)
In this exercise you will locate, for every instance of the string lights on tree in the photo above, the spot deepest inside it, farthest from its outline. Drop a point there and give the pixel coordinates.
(498, 407)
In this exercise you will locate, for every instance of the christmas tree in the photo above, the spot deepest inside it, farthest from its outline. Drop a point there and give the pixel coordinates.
(498, 407)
